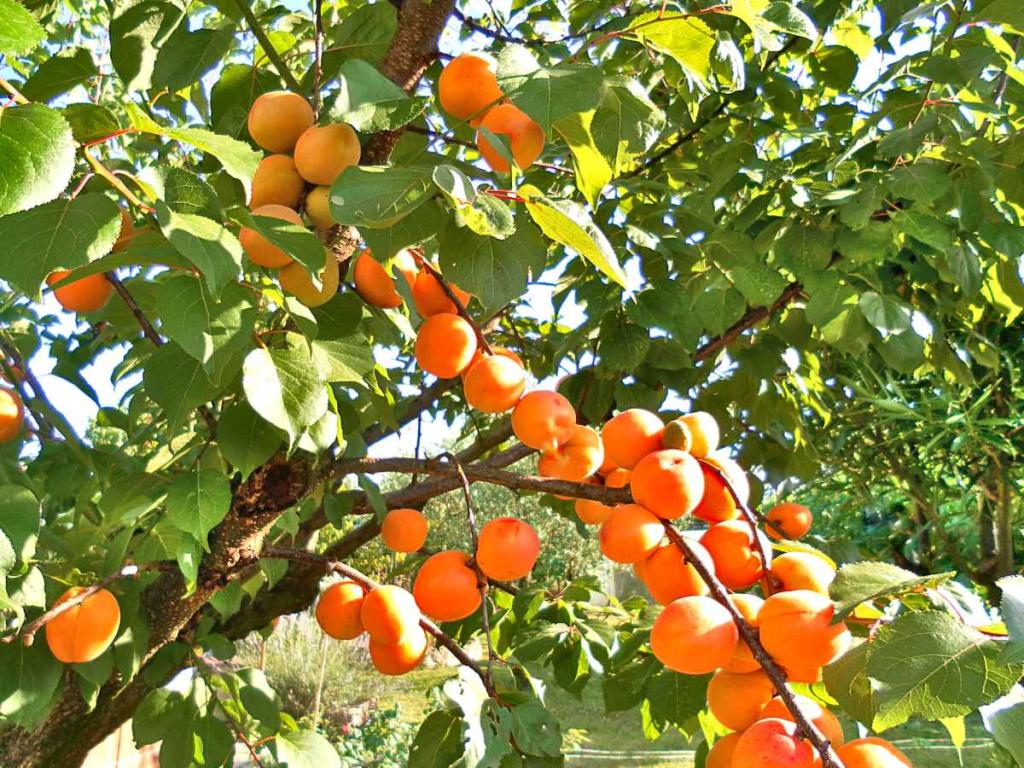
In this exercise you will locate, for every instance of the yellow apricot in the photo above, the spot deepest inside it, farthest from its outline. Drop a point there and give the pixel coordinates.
(277, 119)
(323, 152)
(296, 280)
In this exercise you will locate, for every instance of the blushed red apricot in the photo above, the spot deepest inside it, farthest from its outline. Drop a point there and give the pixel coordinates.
(773, 743)
(260, 250)
(12, 415)
(494, 384)
(373, 283)
(594, 512)
(668, 576)
(276, 182)
(748, 606)
(82, 633)
(574, 459)
(803, 570)
(468, 84)
(720, 754)
(401, 657)
(324, 151)
(277, 119)
(872, 752)
(389, 613)
(430, 298)
(696, 433)
(525, 137)
(794, 519)
(736, 699)
(737, 559)
(797, 630)
(89, 294)
(507, 549)
(297, 280)
(826, 722)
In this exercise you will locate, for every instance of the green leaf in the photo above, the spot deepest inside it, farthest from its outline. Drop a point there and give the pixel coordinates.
(439, 742)
(198, 501)
(29, 678)
(535, 729)
(675, 698)
(766, 19)
(847, 681)
(63, 234)
(931, 665)
(887, 314)
(370, 102)
(246, 440)
(593, 171)
(188, 55)
(804, 249)
(728, 65)
(414, 229)
(238, 159)
(858, 583)
(90, 121)
(686, 39)
(20, 520)
(177, 383)
(295, 240)
(380, 195)
(785, 17)
(285, 386)
(208, 244)
(1004, 719)
(39, 156)
(161, 714)
(1012, 608)
(719, 308)
(924, 182)
(346, 359)
(217, 739)
(760, 284)
(185, 192)
(626, 124)
(924, 228)
(495, 271)
(137, 33)
(305, 749)
(20, 32)
(1000, 12)
(622, 345)
(59, 74)
(258, 697)
(550, 93)
(364, 33)
(568, 223)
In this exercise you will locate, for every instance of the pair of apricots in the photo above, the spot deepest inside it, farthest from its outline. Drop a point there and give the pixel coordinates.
(446, 588)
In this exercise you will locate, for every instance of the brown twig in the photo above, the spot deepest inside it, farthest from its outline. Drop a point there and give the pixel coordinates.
(481, 339)
(318, 54)
(751, 317)
(133, 306)
(268, 47)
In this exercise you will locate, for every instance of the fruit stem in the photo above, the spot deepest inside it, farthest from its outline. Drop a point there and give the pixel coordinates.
(18, 97)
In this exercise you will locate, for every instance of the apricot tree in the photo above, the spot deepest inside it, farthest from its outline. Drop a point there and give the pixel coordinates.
(633, 259)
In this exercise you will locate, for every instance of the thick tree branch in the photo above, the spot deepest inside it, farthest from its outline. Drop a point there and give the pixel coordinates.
(751, 317)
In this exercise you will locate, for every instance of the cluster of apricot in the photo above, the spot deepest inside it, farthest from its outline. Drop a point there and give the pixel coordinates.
(447, 587)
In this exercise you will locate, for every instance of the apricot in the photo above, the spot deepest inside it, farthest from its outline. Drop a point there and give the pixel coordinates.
(594, 512)
(669, 576)
(373, 283)
(720, 754)
(296, 280)
(631, 435)
(277, 182)
(84, 632)
(88, 294)
(872, 752)
(773, 743)
(401, 657)
(389, 613)
(748, 606)
(404, 530)
(794, 519)
(694, 636)
(732, 472)
(796, 629)
(446, 587)
(445, 345)
(826, 722)
(696, 433)
(575, 459)
(405, 263)
(324, 151)
(733, 548)
(716, 504)
(543, 420)
(468, 84)
(12, 415)
(802, 570)
(481, 354)
(430, 298)
(630, 534)
(736, 700)
(607, 466)
(668, 482)
(507, 549)
(808, 675)
(277, 119)
(126, 233)
(338, 609)
(318, 208)
(494, 384)
(260, 250)
(524, 136)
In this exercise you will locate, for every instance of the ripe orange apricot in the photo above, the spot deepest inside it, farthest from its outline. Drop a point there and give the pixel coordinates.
(773, 743)
(401, 657)
(694, 636)
(543, 420)
(468, 85)
(494, 384)
(749, 606)
(338, 609)
(405, 263)
(446, 587)
(318, 208)
(802, 570)
(84, 632)
(296, 280)
(668, 482)
(430, 298)
(404, 530)
(736, 700)
(630, 534)
(86, 295)
(872, 752)
(631, 435)
(794, 519)
(809, 675)
(277, 119)
(445, 345)
(732, 471)
(594, 512)
(796, 629)
(716, 504)
(481, 354)
(826, 722)
(696, 433)
(260, 250)
(575, 459)
(389, 613)
(720, 754)
(669, 576)
(126, 234)
(507, 549)
(276, 182)
(732, 546)
(324, 151)
(12, 415)
(373, 283)
(607, 466)
(524, 137)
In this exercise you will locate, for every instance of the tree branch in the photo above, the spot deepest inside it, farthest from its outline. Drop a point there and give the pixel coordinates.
(460, 308)
(133, 306)
(751, 317)
(268, 47)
